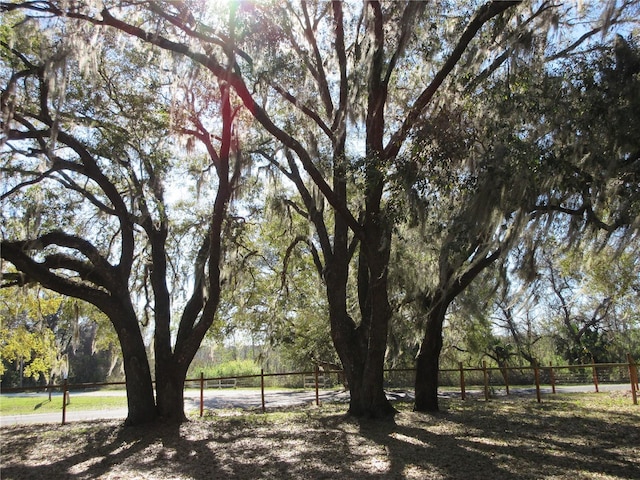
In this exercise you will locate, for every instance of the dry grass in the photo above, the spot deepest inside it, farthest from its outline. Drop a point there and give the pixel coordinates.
(566, 437)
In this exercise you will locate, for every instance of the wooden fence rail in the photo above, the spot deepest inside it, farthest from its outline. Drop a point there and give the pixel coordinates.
(319, 379)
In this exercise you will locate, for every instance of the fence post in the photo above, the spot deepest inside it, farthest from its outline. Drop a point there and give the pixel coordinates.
(595, 374)
(201, 394)
(65, 393)
(633, 378)
(486, 380)
(316, 373)
(536, 374)
(552, 375)
(262, 389)
(462, 386)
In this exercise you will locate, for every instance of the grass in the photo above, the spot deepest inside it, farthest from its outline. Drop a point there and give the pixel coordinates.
(29, 404)
(567, 436)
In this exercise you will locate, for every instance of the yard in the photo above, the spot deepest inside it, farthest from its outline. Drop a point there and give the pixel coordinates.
(568, 436)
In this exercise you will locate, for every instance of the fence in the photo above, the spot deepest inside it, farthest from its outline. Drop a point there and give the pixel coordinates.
(486, 379)
(554, 376)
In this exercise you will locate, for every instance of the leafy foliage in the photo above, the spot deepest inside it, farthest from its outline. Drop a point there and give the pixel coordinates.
(231, 368)
(90, 148)
(46, 337)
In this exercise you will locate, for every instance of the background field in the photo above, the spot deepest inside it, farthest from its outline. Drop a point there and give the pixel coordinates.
(28, 404)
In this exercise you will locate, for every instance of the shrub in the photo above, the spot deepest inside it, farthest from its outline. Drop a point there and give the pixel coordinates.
(233, 368)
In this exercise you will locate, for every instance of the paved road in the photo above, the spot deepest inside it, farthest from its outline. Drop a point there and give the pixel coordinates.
(252, 400)
(213, 399)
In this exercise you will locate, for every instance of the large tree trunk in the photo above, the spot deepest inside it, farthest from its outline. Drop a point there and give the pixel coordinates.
(363, 362)
(428, 362)
(140, 400)
(368, 398)
(436, 305)
(362, 348)
(170, 379)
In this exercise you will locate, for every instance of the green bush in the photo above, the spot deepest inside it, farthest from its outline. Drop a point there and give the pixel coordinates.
(233, 368)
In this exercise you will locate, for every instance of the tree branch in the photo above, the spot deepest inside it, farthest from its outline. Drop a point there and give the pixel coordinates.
(243, 92)
(14, 252)
(482, 16)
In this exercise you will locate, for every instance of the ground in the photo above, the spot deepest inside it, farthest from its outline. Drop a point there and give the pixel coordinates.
(565, 437)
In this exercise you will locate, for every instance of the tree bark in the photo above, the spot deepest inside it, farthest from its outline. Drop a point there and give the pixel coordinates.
(139, 386)
(362, 347)
(364, 370)
(170, 381)
(428, 362)
(436, 305)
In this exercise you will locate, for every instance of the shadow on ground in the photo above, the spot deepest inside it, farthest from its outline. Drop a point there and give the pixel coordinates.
(470, 440)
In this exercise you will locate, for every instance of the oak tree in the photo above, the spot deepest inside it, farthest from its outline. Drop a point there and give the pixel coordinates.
(98, 192)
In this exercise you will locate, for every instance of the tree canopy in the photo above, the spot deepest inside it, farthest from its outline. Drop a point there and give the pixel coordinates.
(89, 150)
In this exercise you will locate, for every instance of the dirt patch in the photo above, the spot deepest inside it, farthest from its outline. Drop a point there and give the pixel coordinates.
(567, 437)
